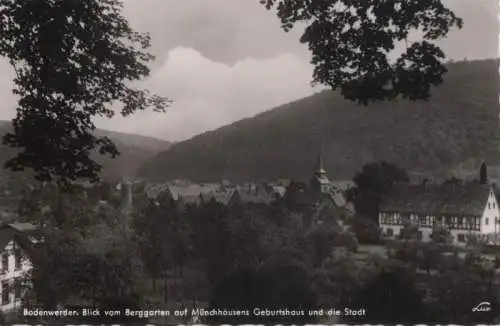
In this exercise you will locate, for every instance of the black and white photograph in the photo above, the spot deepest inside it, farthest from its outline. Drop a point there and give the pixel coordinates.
(182, 162)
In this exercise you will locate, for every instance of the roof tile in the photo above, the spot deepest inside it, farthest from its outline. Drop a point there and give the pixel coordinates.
(462, 199)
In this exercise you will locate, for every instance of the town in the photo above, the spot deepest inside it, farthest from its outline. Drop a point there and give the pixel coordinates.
(267, 162)
(176, 243)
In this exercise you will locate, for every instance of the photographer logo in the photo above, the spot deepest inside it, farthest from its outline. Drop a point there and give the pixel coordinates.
(482, 307)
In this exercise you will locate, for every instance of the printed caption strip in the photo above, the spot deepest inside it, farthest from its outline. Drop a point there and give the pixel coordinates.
(268, 325)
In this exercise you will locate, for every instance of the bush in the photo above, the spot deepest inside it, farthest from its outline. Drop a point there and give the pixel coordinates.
(366, 230)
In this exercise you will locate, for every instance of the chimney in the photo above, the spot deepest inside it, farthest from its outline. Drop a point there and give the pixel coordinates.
(126, 197)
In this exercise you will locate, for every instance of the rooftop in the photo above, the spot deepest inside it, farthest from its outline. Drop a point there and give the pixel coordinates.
(463, 199)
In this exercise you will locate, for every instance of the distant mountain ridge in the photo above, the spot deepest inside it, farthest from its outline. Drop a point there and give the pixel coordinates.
(134, 151)
(458, 124)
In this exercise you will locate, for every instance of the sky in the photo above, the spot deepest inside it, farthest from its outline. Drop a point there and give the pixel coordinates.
(224, 60)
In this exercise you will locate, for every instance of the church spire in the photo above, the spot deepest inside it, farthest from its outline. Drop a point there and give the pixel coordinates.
(320, 180)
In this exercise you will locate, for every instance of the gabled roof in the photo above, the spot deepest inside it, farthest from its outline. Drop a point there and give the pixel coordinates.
(153, 190)
(191, 190)
(190, 199)
(23, 227)
(279, 190)
(8, 233)
(221, 197)
(257, 196)
(343, 185)
(460, 199)
(338, 198)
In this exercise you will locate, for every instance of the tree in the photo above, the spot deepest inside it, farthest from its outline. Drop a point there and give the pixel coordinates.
(294, 192)
(458, 289)
(429, 256)
(372, 182)
(87, 255)
(72, 59)
(453, 180)
(272, 287)
(350, 42)
(339, 277)
(321, 242)
(391, 297)
(409, 232)
(441, 234)
(149, 224)
(367, 231)
(483, 174)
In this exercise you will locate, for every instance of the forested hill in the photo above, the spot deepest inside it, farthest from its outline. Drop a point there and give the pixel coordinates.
(458, 124)
(134, 151)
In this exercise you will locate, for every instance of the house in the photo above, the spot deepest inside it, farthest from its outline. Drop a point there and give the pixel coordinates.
(465, 209)
(190, 194)
(343, 185)
(222, 197)
(17, 241)
(321, 192)
(254, 195)
(320, 182)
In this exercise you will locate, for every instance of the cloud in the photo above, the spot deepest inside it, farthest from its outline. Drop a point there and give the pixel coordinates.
(222, 30)
(210, 94)
(223, 60)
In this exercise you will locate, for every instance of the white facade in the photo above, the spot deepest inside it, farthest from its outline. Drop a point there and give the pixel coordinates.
(14, 270)
(490, 219)
(460, 225)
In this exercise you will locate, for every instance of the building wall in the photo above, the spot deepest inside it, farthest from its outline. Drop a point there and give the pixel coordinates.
(10, 274)
(394, 221)
(486, 224)
(491, 214)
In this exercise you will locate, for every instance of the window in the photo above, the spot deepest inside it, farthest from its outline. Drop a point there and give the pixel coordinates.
(486, 221)
(5, 293)
(390, 232)
(17, 289)
(489, 205)
(420, 234)
(19, 258)
(5, 262)
(422, 220)
(461, 238)
(477, 223)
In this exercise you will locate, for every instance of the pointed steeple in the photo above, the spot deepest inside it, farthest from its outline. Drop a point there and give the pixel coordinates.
(320, 180)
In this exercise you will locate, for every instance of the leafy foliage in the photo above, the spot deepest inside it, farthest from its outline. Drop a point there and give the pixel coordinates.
(350, 42)
(367, 230)
(88, 255)
(410, 231)
(271, 287)
(372, 182)
(390, 297)
(72, 59)
(483, 174)
(441, 234)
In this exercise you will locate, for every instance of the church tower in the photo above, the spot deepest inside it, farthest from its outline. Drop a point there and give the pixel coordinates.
(320, 182)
